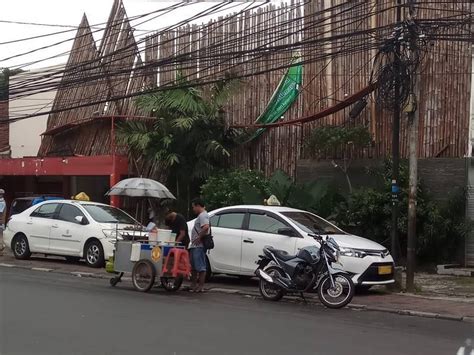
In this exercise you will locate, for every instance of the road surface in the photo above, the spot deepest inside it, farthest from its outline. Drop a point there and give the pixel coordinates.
(43, 313)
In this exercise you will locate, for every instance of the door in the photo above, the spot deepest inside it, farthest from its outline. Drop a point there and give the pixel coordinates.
(66, 232)
(262, 232)
(227, 232)
(38, 227)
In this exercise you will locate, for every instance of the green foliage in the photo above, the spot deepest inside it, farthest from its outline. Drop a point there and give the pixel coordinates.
(250, 187)
(189, 138)
(235, 188)
(328, 139)
(441, 227)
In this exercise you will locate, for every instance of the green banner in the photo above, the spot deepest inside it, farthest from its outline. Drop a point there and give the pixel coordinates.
(284, 96)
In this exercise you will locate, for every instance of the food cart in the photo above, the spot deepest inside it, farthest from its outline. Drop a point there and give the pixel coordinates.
(147, 259)
(145, 255)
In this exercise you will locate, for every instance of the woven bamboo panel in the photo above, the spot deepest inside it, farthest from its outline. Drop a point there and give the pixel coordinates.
(238, 43)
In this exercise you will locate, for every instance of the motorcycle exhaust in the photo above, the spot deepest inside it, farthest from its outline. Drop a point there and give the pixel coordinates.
(283, 283)
(262, 274)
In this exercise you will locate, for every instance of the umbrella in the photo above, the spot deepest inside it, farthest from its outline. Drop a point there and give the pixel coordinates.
(140, 187)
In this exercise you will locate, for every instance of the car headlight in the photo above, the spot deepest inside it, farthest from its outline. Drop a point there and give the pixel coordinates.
(352, 252)
(111, 234)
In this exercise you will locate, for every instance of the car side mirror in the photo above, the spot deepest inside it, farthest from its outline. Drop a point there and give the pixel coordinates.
(287, 231)
(82, 220)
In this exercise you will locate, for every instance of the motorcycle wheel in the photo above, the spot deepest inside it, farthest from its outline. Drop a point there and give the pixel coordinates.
(269, 291)
(338, 296)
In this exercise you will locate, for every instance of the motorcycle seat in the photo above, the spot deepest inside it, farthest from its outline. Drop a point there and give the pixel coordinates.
(281, 254)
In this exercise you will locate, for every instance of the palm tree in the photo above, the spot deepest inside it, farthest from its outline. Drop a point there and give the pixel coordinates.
(188, 140)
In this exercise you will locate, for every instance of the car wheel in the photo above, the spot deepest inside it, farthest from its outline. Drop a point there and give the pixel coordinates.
(72, 259)
(21, 247)
(94, 254)
(208, 270)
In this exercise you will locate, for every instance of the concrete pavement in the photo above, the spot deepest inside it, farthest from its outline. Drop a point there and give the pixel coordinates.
(45, 313)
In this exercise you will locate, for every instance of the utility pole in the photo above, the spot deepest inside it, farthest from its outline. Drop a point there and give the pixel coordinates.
(411, 110)
(396, 144)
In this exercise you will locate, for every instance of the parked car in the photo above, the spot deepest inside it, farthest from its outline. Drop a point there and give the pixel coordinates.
(241, 232)
(22, 203)
(74, 229)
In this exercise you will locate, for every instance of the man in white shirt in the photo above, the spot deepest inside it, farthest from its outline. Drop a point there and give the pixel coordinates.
(197, 253)
(3, 215)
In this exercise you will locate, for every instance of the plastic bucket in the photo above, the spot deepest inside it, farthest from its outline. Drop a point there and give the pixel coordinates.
(165, 236)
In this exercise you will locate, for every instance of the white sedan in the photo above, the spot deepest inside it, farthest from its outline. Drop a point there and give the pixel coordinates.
(74, 229)
(241, 232)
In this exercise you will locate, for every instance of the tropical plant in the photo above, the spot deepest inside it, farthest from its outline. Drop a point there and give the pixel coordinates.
(319, 196)
(188, 140)
(329, 140)
(251, 187)
(441, 228)
(235, 187)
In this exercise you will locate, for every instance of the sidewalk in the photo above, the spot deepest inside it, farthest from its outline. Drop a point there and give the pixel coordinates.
(443, 297)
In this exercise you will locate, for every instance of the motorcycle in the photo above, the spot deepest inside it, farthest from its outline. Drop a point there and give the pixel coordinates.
(313, 269)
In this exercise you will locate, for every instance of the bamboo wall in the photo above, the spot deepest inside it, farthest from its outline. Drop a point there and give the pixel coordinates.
(225, 45)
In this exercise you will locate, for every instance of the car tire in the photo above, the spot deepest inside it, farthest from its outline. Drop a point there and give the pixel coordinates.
(94, 254)
(72, 259)
(208, 270)
(21, 247)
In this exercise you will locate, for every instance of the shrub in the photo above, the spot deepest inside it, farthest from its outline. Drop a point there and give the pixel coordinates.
(235, 188)
(441, 227)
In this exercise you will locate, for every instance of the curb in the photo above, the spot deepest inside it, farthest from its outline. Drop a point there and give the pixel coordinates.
(251, 294)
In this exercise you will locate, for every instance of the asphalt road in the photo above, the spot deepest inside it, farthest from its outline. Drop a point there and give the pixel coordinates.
(52, 314)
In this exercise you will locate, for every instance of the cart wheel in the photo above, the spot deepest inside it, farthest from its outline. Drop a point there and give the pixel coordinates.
(171, 284)
(143, 275)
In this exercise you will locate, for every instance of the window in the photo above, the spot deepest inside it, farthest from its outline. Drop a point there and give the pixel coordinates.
(231, 220)
(69, 213)
(20, 205)
(45, 211)
(312, 224)
(214, 220)
(265, 224)
(108, 214)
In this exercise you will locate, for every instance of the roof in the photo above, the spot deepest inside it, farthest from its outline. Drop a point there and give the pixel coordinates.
(76, 202)
(262, 207)
(35, 196)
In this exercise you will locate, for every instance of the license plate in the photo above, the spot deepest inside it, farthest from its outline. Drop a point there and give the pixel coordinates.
(385, 270)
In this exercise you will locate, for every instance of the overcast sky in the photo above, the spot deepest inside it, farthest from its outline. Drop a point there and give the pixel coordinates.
(68, 12)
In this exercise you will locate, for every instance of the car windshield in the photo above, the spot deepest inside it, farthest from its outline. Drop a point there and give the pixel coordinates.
(108, 214)
(312, 224)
